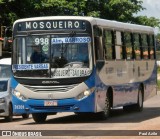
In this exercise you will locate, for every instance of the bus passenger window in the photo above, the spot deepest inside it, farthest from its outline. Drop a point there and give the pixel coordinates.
(151, 47)
(137, 50)
(99, 54)
(145, 46)
(128, 44)
(109, 44)
(118, 46)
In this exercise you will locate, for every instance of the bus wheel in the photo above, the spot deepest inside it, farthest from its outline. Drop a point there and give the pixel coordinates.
(9, 118)
(107, 108)
(139, 105)
(39, 117)
(25, 116)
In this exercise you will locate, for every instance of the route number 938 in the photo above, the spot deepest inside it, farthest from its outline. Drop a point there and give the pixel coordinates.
(41, 41)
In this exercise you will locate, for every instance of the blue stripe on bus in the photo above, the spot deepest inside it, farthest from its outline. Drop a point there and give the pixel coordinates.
(90, 82)
(14, 83)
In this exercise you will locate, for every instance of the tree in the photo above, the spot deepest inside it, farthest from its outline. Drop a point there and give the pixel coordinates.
(120, 10)
(144, 20)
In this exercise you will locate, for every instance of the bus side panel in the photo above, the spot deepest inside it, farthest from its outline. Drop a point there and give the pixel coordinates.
(124, 77)
(150, 85)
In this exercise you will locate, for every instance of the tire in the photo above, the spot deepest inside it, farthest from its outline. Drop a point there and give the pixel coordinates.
(9, 118)
(25, 116)
(139, 105)
(106, 113)
(39, 117)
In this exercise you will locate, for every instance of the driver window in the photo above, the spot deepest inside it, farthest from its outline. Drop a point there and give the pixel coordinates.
(19, 57)
(37, 49)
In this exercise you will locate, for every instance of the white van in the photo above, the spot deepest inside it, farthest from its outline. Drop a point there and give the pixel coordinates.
(5, 90)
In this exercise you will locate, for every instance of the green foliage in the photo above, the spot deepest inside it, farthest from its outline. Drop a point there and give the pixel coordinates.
(123, 10)
(120, 10)
(144, 20)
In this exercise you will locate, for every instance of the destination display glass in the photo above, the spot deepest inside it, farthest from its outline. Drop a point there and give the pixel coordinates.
(51, 25)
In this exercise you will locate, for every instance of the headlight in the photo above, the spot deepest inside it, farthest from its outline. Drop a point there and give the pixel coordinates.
(86, 93)
(19, 95)
(2, 100)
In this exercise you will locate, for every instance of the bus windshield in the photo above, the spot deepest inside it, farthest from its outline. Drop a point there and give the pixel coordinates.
(52, 56)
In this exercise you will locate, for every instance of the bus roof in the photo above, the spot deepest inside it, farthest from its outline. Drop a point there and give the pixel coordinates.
(96, 21)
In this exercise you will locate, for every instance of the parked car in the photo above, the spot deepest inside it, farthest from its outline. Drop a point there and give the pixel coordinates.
(6, 110)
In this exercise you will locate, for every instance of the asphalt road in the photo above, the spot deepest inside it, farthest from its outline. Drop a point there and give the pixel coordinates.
(121, 123)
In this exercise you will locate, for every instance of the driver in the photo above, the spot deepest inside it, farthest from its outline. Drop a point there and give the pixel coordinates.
(37, 56)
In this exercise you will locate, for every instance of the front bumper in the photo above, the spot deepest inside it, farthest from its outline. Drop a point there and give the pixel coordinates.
(66, 105)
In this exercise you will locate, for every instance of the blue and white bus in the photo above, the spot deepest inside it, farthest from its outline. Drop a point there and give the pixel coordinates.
(81, 65)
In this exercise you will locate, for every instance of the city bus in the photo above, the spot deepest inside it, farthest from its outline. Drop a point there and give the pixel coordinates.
(117, 67)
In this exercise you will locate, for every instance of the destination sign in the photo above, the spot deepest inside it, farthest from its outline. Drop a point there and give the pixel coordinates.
(51, 25)
(70, 72)
(43, 66)
(71, 40)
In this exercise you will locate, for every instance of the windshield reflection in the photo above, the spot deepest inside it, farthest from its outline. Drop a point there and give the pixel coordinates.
(60, 54)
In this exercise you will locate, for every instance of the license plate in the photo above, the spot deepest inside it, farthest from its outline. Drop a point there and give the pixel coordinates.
(50, 103)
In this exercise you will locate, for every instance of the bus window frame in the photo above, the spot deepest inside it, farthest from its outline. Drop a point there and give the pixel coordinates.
(124, 53)
(134, 46)
(112, 44)
(131, 43)
(98, 42)
(144, 46)
(118, 43)
(152, 46)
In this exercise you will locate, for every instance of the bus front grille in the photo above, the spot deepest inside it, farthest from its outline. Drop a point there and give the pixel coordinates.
(50, 89)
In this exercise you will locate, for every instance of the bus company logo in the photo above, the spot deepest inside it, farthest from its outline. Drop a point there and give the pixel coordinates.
(50, 96)
(50, 82)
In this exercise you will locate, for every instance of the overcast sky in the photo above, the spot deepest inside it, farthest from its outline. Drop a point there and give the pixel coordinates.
(152, 8)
